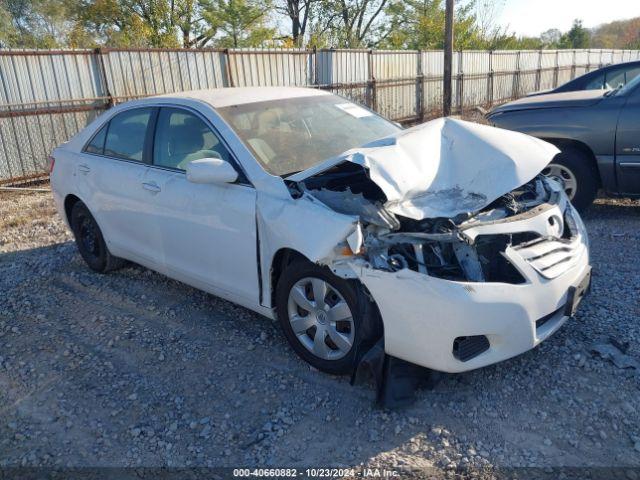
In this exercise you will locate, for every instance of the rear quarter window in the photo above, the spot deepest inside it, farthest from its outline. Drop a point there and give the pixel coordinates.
(96, 145)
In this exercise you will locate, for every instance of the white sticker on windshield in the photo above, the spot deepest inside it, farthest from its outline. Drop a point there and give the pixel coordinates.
(354, 110)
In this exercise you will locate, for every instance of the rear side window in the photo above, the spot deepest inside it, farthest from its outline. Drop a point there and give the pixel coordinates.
(96, 145)
(126, 134)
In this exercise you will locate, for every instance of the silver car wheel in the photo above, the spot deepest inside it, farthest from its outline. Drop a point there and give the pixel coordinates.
(565, 176)
(321, 318)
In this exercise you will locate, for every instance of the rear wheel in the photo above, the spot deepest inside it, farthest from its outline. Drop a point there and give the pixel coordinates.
(327, 320)
(576, 171)
(90, 241)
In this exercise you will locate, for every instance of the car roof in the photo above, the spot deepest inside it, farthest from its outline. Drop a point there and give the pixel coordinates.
(224, 97)
(585, 77)
(620, 65)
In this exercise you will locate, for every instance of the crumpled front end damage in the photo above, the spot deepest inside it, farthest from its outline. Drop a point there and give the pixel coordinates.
(469, 253)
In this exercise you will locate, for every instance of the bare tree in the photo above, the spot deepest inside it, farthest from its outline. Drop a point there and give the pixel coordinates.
(357, 19)
(299, 12)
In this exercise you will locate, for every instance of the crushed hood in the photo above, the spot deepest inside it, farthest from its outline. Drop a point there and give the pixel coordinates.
(446, 167)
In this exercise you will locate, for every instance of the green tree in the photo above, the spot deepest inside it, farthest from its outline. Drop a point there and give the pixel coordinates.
(36, 23)
(618, 34)
(129, 23)
(240, 23)
(7, 30)
(419, 24)
(577, 37)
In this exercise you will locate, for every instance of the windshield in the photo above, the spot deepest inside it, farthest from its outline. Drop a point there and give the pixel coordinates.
(629, 87)
(291, 135)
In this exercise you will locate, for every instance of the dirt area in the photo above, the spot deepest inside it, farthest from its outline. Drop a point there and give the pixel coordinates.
(134, 369)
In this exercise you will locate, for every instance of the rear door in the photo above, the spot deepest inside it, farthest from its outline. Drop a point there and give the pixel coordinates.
(628, 145)
(110, 177)
(207, 232)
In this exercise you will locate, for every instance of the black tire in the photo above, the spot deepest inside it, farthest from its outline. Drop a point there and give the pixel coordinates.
(366, 319)
(90, 241)
(583, 167)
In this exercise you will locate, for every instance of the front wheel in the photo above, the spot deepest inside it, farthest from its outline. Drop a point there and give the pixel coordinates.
(328, 321)
(577, 173)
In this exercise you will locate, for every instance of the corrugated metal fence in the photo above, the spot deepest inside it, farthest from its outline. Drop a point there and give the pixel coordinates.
(46, 96)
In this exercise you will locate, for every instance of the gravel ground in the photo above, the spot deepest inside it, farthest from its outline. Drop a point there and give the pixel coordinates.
(134, 369)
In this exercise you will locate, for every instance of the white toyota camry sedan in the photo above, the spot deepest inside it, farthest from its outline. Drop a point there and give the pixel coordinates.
(443, 241)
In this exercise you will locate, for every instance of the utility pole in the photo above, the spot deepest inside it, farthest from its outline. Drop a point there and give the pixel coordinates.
(448, 58)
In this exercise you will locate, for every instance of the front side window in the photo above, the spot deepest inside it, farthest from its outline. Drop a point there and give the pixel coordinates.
(126, 134)
(290, 135)
(596, 83)
(182, 137)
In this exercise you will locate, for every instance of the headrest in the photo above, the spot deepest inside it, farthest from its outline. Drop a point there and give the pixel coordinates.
(185, 139)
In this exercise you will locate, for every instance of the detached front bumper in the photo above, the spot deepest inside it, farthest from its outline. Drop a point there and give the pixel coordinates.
(423, 316)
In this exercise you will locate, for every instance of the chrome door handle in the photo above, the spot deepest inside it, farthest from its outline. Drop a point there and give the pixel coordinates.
(629, 165)
(82, 168)
(151, 186)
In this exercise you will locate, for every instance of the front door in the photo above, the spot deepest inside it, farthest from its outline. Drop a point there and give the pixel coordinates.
(628, 145)
(207, 232)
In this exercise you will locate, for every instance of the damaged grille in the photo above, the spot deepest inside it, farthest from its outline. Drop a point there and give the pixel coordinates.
(550, 257)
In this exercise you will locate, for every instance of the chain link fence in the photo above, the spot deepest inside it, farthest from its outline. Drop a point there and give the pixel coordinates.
(46, 96)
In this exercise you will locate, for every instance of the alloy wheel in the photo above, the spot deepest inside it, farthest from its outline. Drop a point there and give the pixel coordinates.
(563, 175)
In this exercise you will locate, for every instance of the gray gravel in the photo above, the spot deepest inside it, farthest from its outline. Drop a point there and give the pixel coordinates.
(134, 369)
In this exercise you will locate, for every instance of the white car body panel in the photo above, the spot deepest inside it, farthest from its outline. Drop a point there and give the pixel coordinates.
(210, 236)
(198, 239)
(120, 206)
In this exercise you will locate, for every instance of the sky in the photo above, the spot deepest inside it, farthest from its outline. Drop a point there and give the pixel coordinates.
(532, 17)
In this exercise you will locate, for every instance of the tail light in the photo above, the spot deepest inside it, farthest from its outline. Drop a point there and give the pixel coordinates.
(51, 163)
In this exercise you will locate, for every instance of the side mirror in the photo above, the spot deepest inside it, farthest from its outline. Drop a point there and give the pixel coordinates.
(211, 170)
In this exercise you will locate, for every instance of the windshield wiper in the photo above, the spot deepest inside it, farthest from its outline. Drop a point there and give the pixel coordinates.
(614, 91)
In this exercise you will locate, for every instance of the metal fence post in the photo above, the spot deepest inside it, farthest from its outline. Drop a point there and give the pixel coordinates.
(515, 87)
(315, 66)
(372, 97)
(227, 58)
(460, 80)
(555, 70)
(100, 52)
(539, 70)
(490, 80)
(420, 89)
